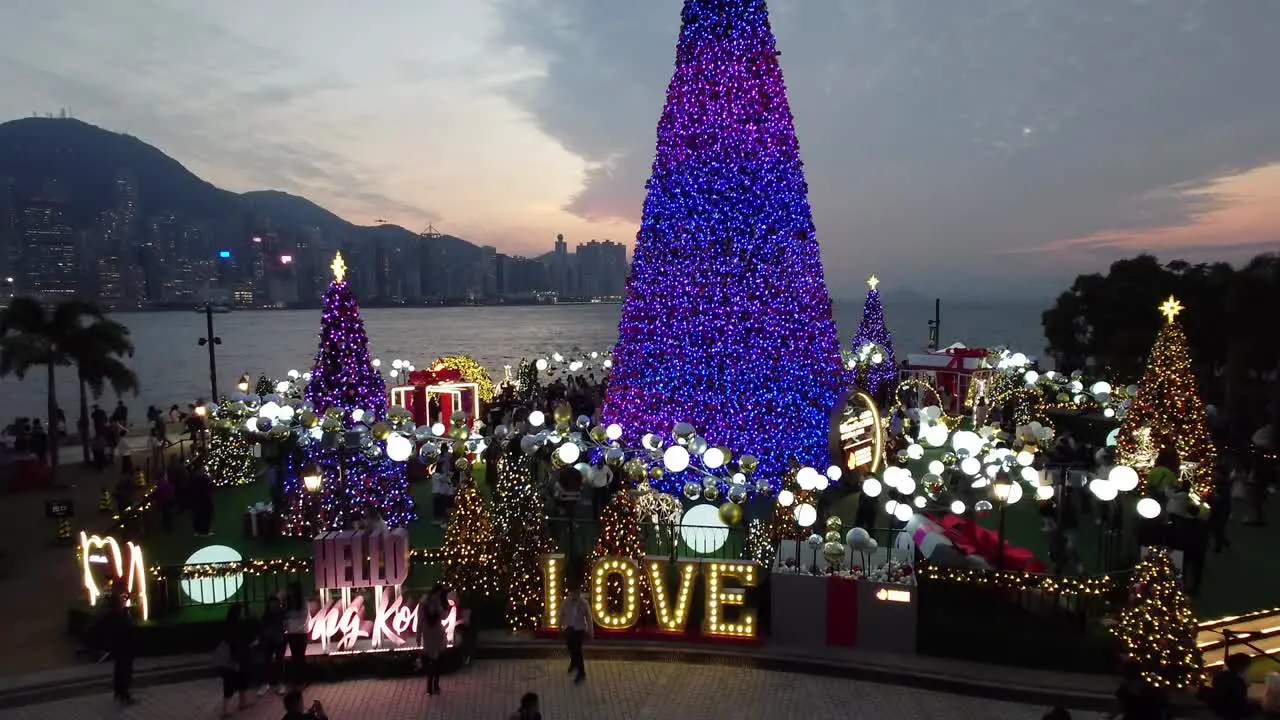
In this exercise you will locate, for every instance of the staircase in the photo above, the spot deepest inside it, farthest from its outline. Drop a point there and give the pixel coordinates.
(1261, 630)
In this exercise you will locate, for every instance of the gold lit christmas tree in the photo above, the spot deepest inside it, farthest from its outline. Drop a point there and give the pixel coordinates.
(1158, 630)
(1169, 408)
(523, 537)
(783, 525)
(470, 547)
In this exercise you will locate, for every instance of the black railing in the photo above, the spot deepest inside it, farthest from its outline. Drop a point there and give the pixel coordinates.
(1242, 638)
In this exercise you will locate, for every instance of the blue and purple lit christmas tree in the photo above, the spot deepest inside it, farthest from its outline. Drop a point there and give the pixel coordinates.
(878, 372)
(356, 479)
(727, 322)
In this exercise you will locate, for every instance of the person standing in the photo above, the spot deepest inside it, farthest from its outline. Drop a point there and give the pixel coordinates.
(431, 636)
(575, 618)
(233, 660)
(120, 641)
(271, 638)
(295, 632)
(528, 709)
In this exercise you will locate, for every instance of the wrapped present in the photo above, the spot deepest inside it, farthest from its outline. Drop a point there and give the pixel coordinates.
(260, 521)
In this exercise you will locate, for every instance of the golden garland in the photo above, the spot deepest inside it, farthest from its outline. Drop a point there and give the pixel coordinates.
(471, 371)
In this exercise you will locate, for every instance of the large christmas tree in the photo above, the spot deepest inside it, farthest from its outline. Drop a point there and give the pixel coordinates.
(1157, 630)
(877, 372)
(727, 322)
(1168, 408)
(520, 522)
(356, 480)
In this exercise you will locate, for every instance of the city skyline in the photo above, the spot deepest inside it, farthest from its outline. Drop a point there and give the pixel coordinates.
(944, 148)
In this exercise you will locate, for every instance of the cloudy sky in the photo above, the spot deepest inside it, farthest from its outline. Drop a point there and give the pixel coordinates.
(975, 145)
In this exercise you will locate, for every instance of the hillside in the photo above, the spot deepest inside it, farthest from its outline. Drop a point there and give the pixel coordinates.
(79, 163)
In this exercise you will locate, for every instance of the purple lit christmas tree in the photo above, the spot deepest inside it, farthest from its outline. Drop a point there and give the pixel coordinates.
(874, 376)
(357, 477)
(727, 323)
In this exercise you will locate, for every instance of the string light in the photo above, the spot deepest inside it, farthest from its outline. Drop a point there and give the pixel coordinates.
(552, 571)
(760, 547)
(620, 538)
(1021, 581)
(1158, 629)
(876, 367)
(229, 459)
(520, 523)
(1169, 404)
(275, 565)
(719, 597)
(471, 371)
(727, 321)
(615, 577)
(470, 547)
(672, 616)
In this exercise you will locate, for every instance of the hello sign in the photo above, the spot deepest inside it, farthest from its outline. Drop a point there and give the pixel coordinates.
(726, 611)
(344, 620)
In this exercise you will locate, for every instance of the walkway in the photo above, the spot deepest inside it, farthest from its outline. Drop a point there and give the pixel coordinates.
(616, 690)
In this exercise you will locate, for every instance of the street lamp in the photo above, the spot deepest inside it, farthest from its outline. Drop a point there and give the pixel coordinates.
(1001, 486)
(312, 478)
(243, 385)
(210, 340)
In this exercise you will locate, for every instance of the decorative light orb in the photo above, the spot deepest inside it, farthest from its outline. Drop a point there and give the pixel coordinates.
(935, 435)
(702, 529)
(806, 515)
(871, 487)
(936, 467)
(676, 459)
(903, 512)
(1112, 437)
(613, 432)
(283, 387)
(1101, 387)
(1123, 477)
(906, 485)
(1103, 489)
(1015, 494)
(970, 466)
(575, 366)
(968, 441)
(357, 414)
(294, 374)
(540, 364)
(919, 502)
(1108, 413)
(251, 424)
(890, 505)
(1031, 377)
(915, 451)
(893, 475)
(1030, 475)
(438, 429)
(1149, 508)
(1019, 360)
(1044, 492)
(808, 478)
(536, 418)
(213, 590)
(1024, 458)
(569, 453)
(786, 497)
(399, 447)
(957, 507)
(713, 458)
(834, 473)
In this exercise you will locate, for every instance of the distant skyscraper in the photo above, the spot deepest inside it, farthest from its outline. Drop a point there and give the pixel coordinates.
(50, 256)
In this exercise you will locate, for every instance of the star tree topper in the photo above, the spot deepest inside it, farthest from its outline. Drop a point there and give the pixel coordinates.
(873, 281)
(1171, 308)
(339, 267)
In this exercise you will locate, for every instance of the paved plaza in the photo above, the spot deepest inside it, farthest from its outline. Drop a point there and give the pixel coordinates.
(613, 691)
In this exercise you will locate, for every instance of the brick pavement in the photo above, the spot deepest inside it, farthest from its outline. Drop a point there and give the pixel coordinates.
(615, 690)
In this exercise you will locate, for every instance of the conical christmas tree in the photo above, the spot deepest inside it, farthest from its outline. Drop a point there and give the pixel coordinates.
(520, 523)
(470, 548)
(877, 371)
(356, 480)
(1158, 630)
(727, 321)
(1168, 408)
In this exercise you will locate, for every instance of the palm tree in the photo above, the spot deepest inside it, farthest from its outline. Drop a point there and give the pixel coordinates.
(97, 350)
(33, 336)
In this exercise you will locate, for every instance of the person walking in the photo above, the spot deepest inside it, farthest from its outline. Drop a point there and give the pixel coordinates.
(431, 636)
(295, 633)
(232, 658)
(119, 634)
(271, 640)
(575, 618)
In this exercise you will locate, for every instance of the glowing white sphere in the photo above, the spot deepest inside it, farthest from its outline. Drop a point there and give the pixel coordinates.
(893, 475)
(213, 590)
(1015, 494)
(1031, 377)
(786, 497)
(1025, 458)
(569, 453)
(536, 418)
(294, 374)
(1149, 508)
(1030, 474)
(1018, 360)
(1100, 387)
(540, 364)
(968, 441)
(808, 478)
(1044, 492)
(903, 512)
(935, 435)
(915, 451)
(613, 432)
(906, 485)
(702, 529)
(919, 501)
(1103, 489)
(713, 458)
(806, 515)
(1112, 437)
(1108, 412)
(871, 487)
(970, 466)
(834, 473)
(437, 429)
(286, 414)
(936, 467)
(957, 507)
(283, 387)
(675, 458)
(399, 447)
(397, 363)
(251, 424)
(1123, 477)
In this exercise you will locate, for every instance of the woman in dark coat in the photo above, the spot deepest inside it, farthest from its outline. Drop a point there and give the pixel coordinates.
(233, 665)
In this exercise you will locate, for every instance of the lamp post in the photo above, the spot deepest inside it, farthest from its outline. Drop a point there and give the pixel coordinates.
(243, 385)
(1000, 488)
(210, 340)
(312, 478)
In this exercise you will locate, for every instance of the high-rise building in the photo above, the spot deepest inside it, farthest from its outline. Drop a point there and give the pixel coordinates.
(601, 268)
(50, 256)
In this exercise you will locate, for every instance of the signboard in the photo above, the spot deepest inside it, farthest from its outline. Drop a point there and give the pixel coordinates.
(59, 509)
(857, 435)
(103, 562)
(362, 605)
(726, 611)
